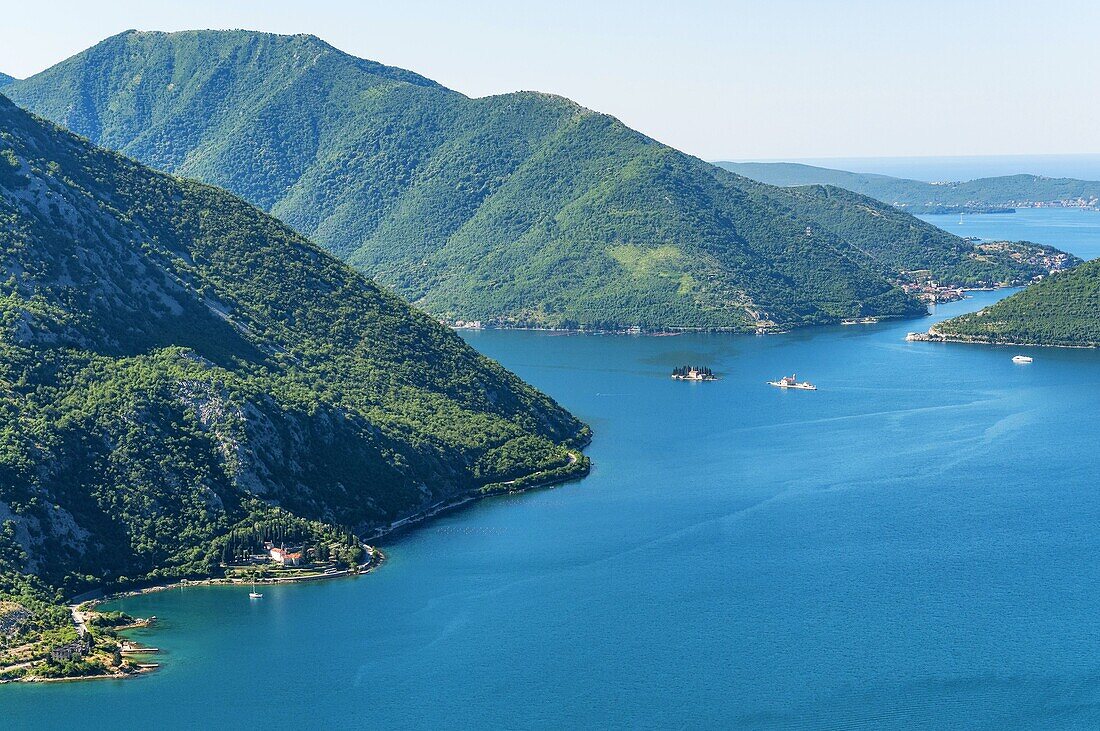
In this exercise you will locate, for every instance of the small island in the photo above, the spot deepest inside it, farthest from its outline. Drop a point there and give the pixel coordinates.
(693, 373)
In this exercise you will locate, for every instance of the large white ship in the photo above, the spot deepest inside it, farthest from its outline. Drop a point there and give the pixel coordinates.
(791, 382)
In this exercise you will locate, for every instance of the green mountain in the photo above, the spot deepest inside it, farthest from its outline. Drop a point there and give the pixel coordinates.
(5, 80)
(900, 246)
(997, 194)
(522, 208)
(1063, 309)
(182, 376)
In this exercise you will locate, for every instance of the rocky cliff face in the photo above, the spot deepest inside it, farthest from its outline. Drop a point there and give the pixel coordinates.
(174, 364)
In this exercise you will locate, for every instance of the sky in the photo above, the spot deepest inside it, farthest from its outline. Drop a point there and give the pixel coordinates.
(732, 80)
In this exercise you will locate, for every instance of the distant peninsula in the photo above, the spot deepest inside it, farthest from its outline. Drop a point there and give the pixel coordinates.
(1061, 310)
(1001, 194)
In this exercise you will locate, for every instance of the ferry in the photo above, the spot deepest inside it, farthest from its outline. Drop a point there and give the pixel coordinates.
(791, 382)
(860, 321)
(1022, 359)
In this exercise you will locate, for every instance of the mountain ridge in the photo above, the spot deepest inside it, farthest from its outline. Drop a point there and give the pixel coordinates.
(1061, 310)
(519, 209)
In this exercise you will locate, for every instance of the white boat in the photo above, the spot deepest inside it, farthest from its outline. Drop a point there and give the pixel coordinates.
(791, 382)
(255, 594)
(1022, 359)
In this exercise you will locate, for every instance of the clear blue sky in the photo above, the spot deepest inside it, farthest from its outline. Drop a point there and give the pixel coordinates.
(732, 80)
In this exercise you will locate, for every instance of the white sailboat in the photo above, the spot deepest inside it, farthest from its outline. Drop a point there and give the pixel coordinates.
(254, 594)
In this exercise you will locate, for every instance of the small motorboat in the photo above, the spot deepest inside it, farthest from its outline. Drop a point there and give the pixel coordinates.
(1022, 359)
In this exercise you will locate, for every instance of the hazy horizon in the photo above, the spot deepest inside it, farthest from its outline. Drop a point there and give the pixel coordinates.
(937, 168)
(789, 80)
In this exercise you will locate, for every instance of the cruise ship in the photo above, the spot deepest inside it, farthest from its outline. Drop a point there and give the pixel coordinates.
(791, 382)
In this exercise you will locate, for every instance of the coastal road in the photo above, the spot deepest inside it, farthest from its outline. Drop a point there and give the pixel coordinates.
(79, 620)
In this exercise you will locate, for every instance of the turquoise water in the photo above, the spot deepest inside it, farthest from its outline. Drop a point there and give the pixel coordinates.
(1073, 230)
(913, 544)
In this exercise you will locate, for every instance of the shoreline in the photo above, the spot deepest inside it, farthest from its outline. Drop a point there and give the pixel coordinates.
(512, 487)
(377, 559)
(934, 337)
(669, 332)
(539, 480)
(673, 331)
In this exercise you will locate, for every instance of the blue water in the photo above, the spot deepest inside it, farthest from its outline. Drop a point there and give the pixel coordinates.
(913, 545)
(1069, 229)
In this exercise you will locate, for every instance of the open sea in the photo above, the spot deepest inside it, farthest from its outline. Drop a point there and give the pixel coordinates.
(914, 545)
(1070, 229)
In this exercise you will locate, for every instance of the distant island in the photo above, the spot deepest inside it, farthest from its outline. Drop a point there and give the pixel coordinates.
(693, 373)
(1001, 194)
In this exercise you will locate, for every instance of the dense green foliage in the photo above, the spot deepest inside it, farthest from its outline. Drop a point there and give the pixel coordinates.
(916, 196)
(522, 208)
(5, 80)
(895, 243)
(1063, 309)
(178, 369)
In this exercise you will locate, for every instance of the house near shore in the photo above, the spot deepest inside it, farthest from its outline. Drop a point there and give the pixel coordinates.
(284, 557)
(74, 650)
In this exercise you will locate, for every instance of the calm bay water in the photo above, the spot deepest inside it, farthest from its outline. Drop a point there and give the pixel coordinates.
(913, 545)
(1069, 229)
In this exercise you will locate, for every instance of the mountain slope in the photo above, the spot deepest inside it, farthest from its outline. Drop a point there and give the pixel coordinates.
(900, 245)
(5, 80)
(915, 196)
(521, 208)
(175, 364)
(1063, 309)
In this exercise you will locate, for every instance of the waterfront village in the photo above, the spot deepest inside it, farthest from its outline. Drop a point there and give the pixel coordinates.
(931, 292)
(921, 284)
(90, 646)
(298, 563)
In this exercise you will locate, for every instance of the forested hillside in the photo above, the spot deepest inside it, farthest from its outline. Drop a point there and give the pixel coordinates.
(523, 208)
(1063, 309)
(894, 242)
(177, 366)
